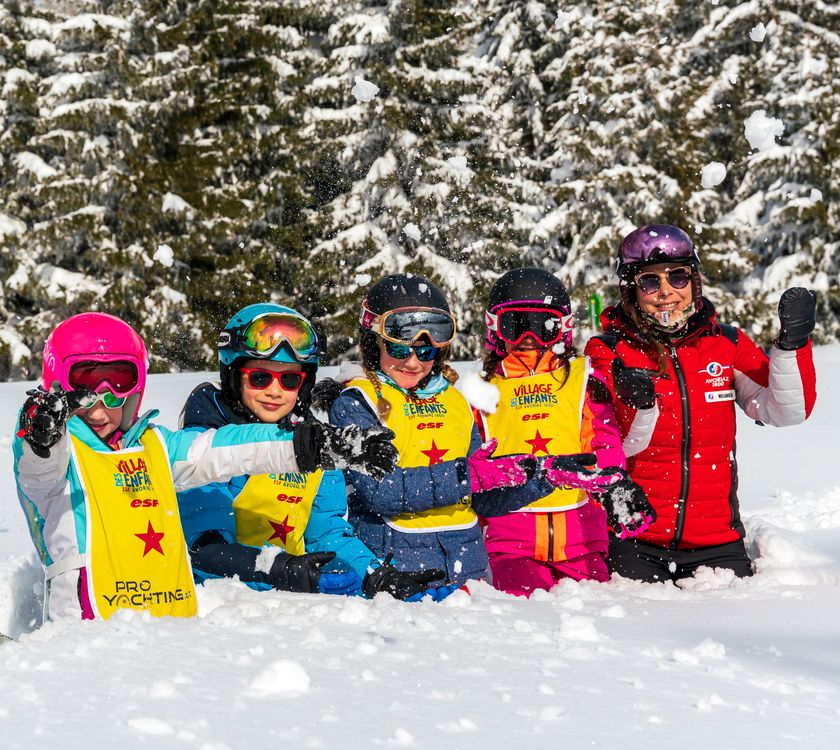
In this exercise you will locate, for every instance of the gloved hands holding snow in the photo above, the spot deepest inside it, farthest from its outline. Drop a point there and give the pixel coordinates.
(576, 470)
(798, 316)
(300, 573)
(401, 585)
(44, 416)
(629, 512)
(325, 446)
(488, 473)
(634, 386)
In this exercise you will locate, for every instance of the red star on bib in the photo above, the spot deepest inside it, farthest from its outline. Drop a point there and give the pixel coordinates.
(435, 454)
(151, 539)
(539, 443)
(281, 530)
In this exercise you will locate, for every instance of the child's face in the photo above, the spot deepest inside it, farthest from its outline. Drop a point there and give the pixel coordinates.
(272, 403)
(103, 421)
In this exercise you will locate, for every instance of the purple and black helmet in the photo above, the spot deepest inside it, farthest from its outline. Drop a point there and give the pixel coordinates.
(655, 243)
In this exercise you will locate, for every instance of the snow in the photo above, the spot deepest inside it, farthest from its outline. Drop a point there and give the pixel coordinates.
(761, 131)
(412, 231)
(712, 174)
(175, 204)
(364, 91)
(34, 164)
(164, 255)
(9, 225)
(717, 663)
(758, 32)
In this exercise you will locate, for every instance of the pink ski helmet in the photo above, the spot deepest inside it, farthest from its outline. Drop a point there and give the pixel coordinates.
(112, 351)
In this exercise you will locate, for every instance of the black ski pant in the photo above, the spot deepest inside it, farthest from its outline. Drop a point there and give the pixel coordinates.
(645, 562)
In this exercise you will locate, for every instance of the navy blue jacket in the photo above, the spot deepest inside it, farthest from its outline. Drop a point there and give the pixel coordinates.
(460, 552)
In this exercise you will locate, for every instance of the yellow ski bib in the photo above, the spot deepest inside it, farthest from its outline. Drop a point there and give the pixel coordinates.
(136, 554)
(275, 508)
(428, 431)
(541, 415)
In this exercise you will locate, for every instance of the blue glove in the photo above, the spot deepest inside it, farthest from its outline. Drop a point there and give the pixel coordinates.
(348, 583)
(436, 594)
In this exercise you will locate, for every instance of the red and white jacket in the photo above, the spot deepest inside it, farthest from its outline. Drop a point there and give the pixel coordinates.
(682, 451)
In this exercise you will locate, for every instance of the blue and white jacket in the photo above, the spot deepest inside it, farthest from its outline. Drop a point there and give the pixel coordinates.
(210, 508)
(52, 499)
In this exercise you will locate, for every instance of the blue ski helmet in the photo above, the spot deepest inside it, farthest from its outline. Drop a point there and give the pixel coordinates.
(272, 332)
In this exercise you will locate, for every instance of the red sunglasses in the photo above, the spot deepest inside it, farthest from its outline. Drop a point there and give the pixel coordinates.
(261, 379)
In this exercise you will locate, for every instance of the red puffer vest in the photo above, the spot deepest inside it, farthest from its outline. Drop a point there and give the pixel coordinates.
(688, 469)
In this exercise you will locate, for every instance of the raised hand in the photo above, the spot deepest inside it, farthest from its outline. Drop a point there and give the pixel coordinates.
(797, 316)
(44, 416)
(575, 470)
(488, 473)
(634, 386)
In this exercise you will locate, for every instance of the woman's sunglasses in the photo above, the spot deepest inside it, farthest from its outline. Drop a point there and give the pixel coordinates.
(261, 379)
(424, 353)
(649, 282)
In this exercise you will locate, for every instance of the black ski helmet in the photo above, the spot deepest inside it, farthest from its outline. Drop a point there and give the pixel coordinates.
(404, 290)
(529, 284)
(393, 292)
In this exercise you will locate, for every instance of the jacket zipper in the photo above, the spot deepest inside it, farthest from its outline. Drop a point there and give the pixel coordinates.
(686, 447)
(550, 555)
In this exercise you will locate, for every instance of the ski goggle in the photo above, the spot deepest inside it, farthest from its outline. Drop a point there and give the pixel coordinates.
(404, 325)
(657, 242)
(266, 333)
(260, 379)
(424, 353)
(548, 326)
(119, 377)
(106, 396)
(649, 282)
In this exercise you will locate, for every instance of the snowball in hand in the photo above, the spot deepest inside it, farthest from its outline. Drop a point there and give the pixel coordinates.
(164, 256)
(712, 174)
(364, 90)
(761, 131)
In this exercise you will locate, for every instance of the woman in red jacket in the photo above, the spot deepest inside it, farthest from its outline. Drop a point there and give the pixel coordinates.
(676, 374)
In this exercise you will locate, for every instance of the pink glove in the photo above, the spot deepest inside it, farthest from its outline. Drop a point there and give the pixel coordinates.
(573, 471)
(488, 473)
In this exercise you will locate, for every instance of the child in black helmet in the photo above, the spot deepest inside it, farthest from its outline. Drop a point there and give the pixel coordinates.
(426, 511)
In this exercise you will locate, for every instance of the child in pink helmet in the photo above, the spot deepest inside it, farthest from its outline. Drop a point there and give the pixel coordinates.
(97, 480)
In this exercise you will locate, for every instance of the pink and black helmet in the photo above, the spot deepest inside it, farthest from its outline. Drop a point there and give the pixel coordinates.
(100, 340)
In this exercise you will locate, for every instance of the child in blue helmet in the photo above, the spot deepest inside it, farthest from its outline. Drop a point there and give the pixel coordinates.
(289, 524)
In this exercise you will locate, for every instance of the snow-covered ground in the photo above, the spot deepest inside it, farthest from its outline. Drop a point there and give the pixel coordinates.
(718, 663)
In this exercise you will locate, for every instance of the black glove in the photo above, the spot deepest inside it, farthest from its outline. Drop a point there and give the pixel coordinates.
(44, 416)
(324, 446)
(629, 512)
(634, 386)
(298, 572)
(399, 585)
(798, 316)
(324, 393)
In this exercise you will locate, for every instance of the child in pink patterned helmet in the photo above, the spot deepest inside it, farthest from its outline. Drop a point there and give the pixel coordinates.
(97, 481)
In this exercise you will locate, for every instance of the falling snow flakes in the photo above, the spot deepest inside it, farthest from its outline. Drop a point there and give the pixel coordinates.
(757, 33)
(412, 231)
(761, 131)
(364, 91)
